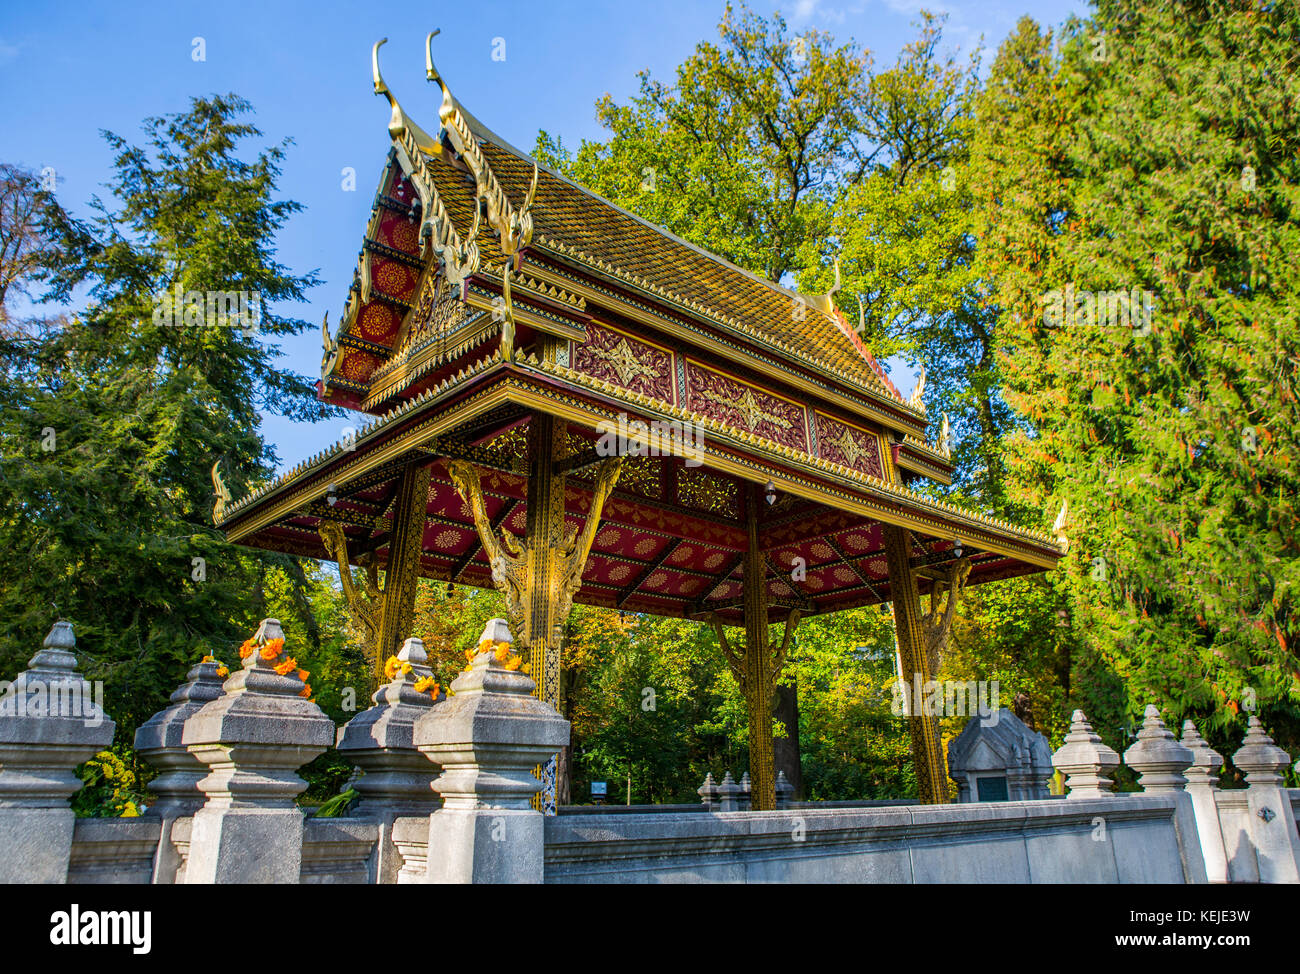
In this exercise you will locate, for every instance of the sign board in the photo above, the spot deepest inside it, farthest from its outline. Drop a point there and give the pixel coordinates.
(598, 789)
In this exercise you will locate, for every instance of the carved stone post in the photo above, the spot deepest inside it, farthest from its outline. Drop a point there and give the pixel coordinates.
(253, 740)
(158, 741)
(397, 780)
(487, 737)
(1160, 762)
(920, 645)
(1085, 760)
(540, 574)
(49, 724)
(1272, 822)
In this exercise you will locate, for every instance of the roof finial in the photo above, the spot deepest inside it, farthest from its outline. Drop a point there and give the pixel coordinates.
(400, 122)
(916, 402)
(430, 71)
(223, 493)
(825, 303)
(380, 87)
(1058, 528)
(945, 437)
(331, 357)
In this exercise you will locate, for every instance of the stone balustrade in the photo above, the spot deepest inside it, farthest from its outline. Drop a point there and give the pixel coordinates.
(446, 790)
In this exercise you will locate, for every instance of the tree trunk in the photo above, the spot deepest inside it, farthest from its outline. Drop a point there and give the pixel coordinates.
(785, 750)
(564, 760)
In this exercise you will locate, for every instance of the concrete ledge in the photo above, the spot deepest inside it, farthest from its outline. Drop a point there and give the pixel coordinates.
(338, 850)
(1128, 838)
(113, 850)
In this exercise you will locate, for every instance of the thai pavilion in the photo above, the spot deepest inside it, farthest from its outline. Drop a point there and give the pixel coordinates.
(505, 326)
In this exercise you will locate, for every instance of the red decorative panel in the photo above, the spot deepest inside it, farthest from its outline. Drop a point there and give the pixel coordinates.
(625, 362)
(379, 323)
(398, 232)
(357, 365)
(444, 539)
(853, 447)
(399, 187)
(860, 541)
(392, 278)
(745, 407)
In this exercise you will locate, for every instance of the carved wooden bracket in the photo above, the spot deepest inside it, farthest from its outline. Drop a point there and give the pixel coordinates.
(937, 623)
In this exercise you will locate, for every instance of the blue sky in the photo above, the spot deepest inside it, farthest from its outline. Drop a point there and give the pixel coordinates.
(70, 71)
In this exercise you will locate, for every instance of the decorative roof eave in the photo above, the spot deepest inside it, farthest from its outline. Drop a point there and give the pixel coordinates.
(397, 374)
(740, 455)
(975, 522)
(874, 387)
(920, 457)
(920, 464)
(227, 512)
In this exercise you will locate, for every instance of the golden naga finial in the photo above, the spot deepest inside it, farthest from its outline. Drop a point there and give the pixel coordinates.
(915, 401)
(400, 122)
(223, 493)
(825, 303)
(1058, 528)
(945, 438)
(507, 316)
(331, 357)
(437, 232)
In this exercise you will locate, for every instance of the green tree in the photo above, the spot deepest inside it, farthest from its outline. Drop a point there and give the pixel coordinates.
(112, 420)
(744, 153)
(1158, 155)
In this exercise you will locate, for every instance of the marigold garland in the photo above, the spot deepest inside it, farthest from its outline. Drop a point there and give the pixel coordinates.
(393, 667)
(500, 650)
(271, 653)
(222, 670)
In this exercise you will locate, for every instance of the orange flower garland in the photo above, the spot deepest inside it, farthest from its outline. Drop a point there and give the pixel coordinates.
(271, 653)
(222, 670)
(500, 651)
(393, 667)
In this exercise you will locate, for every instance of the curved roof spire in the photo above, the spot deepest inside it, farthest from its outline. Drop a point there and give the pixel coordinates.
(401, 122)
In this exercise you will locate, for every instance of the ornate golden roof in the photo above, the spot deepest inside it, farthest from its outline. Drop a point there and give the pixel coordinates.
(481, 201)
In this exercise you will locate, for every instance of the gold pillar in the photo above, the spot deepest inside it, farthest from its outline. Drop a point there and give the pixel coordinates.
(384, 617)
(405, 545)
(540, 574)
(927, 756)
(756, 667)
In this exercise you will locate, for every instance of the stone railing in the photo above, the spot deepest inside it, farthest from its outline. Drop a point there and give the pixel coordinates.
(446, 789)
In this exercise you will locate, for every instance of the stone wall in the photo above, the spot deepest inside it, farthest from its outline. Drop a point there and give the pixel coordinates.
(446, 789)
(1130, 839)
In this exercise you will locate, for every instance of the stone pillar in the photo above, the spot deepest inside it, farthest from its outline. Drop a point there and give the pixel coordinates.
(728, 794)
(1086, 762)
(49, 723)
(708, 793)
(1160, 761)
(746, 787)
(784, 790)
(1202, 785)
(253, 740)
(1272, 822)
(397, 780)
(158, 741)
(487, 737)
